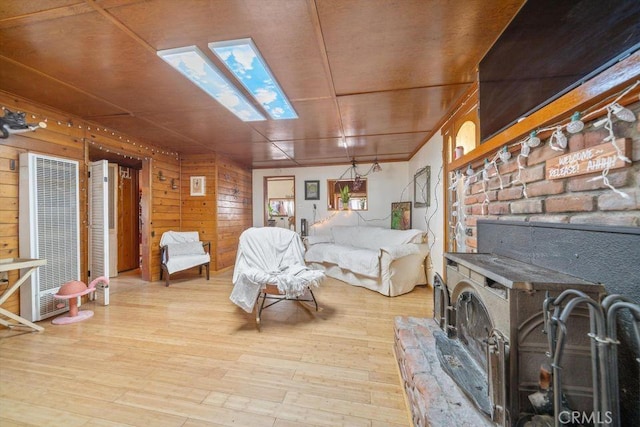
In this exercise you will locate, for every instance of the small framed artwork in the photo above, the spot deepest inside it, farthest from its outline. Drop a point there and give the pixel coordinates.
(421, 185)
(198, 186)
(401, 216)
(312, 190)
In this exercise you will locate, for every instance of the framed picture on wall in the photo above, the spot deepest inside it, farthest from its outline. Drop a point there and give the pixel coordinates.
(312, 190)
(401, 215)
(198, 186)
(421, 184)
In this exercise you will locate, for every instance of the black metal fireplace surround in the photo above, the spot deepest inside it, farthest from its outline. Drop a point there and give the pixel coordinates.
(491, 314)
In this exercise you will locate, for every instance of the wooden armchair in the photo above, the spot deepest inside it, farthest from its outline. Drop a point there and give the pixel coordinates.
(183, 250)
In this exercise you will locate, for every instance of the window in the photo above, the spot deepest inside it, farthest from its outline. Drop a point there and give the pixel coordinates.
(357, 192)
(462, 129)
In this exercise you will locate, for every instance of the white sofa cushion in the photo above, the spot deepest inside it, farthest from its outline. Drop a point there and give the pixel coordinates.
(359, 260)
(374, 237)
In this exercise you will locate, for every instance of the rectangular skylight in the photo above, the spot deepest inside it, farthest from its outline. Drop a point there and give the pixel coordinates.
(243, 59)
(195, 66)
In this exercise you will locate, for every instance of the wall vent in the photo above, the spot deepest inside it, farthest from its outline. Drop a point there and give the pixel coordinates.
(49, 228)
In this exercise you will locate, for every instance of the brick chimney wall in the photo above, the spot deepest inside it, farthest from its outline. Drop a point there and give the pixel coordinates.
(575, 200)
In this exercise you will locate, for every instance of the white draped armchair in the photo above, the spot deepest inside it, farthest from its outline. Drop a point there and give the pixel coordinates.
(270, 264)
(181, 250)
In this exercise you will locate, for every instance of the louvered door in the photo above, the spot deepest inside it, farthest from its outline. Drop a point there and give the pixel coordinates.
(99, 219)
(49, 228)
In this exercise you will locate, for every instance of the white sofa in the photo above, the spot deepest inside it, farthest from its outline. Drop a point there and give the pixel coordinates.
(391, 262)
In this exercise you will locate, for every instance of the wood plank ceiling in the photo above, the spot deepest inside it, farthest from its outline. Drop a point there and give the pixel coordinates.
(368, 78)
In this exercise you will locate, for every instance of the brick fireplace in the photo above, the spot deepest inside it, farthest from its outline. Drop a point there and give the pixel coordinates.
(568, 216)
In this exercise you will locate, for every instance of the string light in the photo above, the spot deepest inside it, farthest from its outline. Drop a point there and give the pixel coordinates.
(558, 140)
(622, 113)
(69, 124)
(505, 154)
(576, 125)
(533, 140)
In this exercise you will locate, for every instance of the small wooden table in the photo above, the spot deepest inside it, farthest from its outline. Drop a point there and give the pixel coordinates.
(9, 264)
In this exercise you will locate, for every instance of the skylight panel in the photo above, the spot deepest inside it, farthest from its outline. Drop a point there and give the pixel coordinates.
(195, 66)
(243, 59)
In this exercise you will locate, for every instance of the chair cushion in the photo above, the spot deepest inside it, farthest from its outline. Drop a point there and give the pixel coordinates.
(179, 263)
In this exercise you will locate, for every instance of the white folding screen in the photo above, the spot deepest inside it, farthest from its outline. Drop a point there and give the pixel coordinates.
(99, 219)
(49, 228)
(113, 220)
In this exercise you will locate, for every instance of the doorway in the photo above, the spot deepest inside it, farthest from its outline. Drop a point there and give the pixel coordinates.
(280, 202)
(122, 214)
(128, 229)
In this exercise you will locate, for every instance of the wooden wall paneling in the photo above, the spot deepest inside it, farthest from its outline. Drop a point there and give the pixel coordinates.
(165, 204)
(149, 252)
(73, 138)
(9, 218)
(199, 212)
(234, 208)
(59, 140)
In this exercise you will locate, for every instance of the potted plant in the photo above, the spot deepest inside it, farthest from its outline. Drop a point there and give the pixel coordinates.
(345, 195)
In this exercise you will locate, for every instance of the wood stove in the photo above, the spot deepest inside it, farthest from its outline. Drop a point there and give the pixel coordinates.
(490, 313)
(495, 315)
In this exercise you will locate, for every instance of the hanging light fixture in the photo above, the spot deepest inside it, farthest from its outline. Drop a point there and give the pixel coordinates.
(376, 166)
(357, 182)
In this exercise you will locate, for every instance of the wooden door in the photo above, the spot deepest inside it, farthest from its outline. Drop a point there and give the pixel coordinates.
(128, 220)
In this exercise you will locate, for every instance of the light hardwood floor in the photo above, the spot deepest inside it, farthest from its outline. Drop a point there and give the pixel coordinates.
(186, 356)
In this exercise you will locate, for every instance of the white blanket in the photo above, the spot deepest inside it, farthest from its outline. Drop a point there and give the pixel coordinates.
(270, 255)
(359, 260)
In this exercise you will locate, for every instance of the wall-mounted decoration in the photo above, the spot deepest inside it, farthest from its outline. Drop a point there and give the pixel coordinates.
(401, 215)
(590, 160)
(421, 185)
(198, 186)
(16, 123)
(312, 190)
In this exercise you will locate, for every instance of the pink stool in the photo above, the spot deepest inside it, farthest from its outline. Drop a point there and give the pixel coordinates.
(71, 291)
